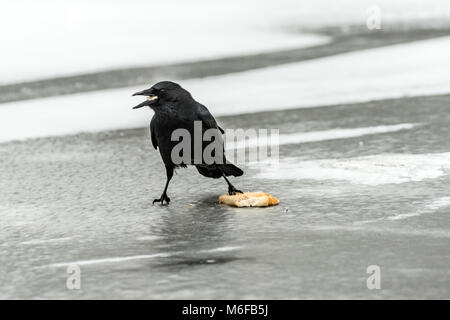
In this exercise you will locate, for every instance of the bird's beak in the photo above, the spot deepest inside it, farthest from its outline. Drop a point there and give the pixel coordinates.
(151, 98)
(140, 93)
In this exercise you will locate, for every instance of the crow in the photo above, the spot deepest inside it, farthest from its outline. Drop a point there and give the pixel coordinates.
(175, 108)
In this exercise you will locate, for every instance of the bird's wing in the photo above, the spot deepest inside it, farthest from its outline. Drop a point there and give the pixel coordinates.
(152, 134)
(208, 119)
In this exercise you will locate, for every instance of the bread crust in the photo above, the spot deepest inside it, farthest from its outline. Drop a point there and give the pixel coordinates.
(249, 199)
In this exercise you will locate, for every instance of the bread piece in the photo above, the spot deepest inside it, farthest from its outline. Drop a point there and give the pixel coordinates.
(249, 199)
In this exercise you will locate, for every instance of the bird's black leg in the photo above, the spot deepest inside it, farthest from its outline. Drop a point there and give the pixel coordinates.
(164, 197)
(231, 189)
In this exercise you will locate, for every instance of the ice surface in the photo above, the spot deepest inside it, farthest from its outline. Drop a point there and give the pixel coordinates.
(353, 77)
(390, 72)
(54, 38)
(49, 38)
(431, 207)
(368, 170)
(324, 135)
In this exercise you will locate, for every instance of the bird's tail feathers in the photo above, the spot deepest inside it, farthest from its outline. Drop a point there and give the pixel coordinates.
(230, 169)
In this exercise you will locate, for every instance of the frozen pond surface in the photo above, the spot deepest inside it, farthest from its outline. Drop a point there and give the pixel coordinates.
(380, 73)
(360, 184)
(86, 200)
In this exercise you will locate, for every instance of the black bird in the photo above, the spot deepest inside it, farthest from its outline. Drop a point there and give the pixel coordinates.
(174, 109)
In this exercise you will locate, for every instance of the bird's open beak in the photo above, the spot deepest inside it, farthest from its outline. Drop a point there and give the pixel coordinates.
(151, 98)
(140, 93)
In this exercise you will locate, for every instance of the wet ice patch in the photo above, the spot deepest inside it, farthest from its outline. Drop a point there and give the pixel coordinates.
(148, 238)
(379, 230)
(335, 134)
(110, 260)
(221, 249)
(429, 208)
(21, 215)
(325, 135)
(46, 241)
(368, 170)
(439, 203)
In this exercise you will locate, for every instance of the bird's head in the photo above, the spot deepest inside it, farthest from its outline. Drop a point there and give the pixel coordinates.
(164, 91)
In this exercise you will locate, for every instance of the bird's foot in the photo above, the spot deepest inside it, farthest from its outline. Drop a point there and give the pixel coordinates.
(232, 190)
(163, 198)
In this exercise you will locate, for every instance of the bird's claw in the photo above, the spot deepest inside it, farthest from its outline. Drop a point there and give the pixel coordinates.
(163, 198)
(232, 191)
